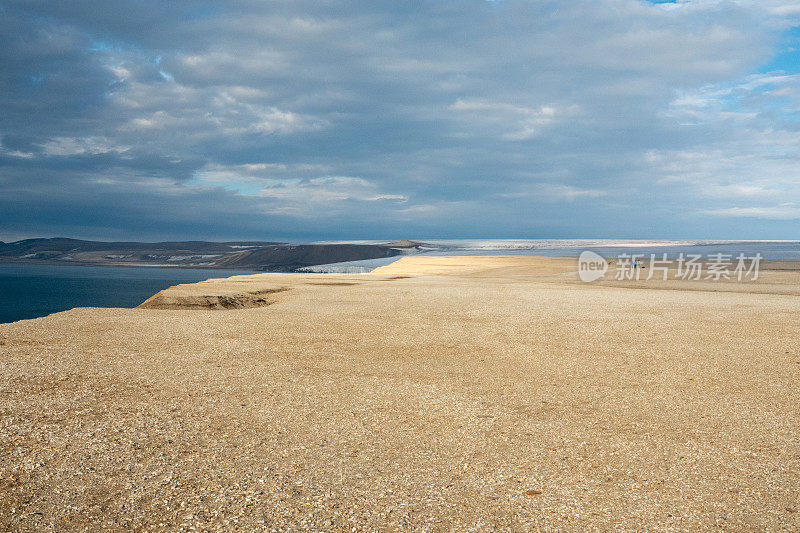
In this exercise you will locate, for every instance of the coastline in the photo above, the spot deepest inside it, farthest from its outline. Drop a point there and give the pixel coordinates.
(31, 291)
(452, 392)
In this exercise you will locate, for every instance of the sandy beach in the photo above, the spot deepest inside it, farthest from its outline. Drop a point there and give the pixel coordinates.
(435, 394)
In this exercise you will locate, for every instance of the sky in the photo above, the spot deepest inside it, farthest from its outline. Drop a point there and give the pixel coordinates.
(326, 119)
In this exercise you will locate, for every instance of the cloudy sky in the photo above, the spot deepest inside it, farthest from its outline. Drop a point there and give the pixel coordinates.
(326, 119)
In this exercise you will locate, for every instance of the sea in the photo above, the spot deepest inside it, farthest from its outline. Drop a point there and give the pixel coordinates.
(608, 248)
(31, 291)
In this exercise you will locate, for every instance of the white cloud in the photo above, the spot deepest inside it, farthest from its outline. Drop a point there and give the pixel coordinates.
(68, 146)
(512, 122)
(210, 112)
(789, 211)
(286, 192)
(557, 192)
(327, 189)
(15, 153)
(742, 99)
(739, 190)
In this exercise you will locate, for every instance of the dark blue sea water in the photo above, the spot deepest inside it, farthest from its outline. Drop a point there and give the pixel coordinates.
(30, 291)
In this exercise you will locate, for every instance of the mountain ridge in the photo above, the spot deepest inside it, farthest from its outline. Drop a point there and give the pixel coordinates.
(267, 256)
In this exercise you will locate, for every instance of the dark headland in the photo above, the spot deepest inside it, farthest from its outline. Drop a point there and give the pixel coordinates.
(243, 255)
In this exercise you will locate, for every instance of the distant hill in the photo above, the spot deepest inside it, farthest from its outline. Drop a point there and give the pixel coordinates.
(246, 255)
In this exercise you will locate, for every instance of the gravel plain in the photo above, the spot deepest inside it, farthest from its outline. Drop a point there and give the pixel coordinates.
(436, 394)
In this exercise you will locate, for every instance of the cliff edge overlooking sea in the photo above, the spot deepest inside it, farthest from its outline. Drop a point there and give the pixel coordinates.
(437, 392)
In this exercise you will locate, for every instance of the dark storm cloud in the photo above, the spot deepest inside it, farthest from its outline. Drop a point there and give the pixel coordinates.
(386, 119)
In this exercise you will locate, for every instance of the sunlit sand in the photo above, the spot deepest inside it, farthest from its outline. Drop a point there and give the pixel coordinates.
(437, 392)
